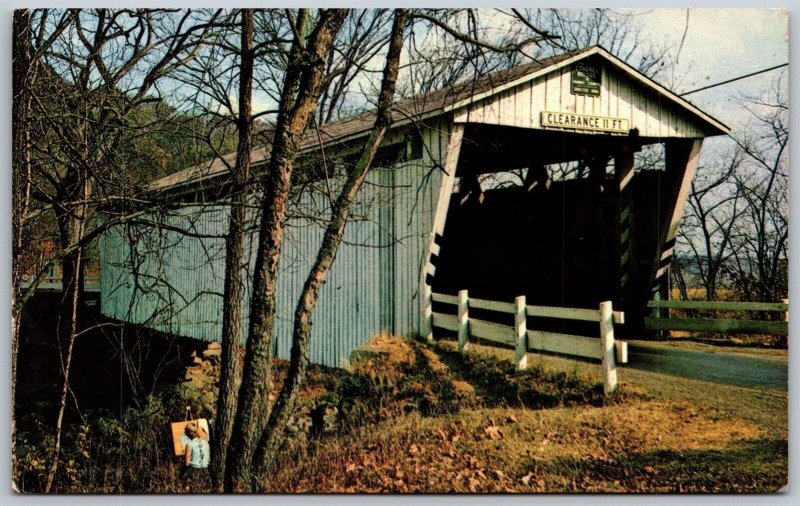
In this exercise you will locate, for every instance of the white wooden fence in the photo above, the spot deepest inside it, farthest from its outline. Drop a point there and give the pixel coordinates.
(524, 340)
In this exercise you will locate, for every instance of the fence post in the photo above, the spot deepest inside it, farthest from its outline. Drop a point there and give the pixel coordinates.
(607, 343)
(463, 319)
(786, 313)
(521, 333)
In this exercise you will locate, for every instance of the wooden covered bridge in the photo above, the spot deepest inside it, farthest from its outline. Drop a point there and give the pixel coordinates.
(524, 181)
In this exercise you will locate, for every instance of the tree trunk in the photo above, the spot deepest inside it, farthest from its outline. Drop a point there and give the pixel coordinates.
(71, 327)
(305, 72)
(72, 223)
(231, 372)
(284, 406)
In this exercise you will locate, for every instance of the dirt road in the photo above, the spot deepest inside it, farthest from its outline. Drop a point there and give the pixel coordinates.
(732, 369)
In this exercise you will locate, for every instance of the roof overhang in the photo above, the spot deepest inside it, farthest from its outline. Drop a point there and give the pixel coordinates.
(210, 170)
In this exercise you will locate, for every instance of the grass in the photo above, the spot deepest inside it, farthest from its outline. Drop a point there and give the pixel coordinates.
(608, 449)
(550, 430)
(498, 383)
(766, 407)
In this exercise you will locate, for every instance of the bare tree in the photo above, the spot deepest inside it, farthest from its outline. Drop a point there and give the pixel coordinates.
(735, 230)
(21, 139)
(231, 370)
(93, 68)
(362, 37)
(760, 267)
(617, 31)
(710, 219)
(301, 90)
(273, 436)
(258, 432)
(456, 45)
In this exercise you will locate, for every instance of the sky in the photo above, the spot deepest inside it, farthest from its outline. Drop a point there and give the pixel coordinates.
(721, 44)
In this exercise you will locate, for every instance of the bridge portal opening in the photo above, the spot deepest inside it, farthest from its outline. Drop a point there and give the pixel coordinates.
(561, 218)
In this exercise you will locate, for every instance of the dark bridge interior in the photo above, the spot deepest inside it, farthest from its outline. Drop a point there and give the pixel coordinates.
(567, 243)
(514, 243)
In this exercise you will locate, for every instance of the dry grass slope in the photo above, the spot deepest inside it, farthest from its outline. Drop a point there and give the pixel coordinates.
(544, 430)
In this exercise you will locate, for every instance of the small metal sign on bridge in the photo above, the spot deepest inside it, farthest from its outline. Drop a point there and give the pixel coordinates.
(586, 79)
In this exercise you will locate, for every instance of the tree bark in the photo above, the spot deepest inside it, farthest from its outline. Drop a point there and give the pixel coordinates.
(284, 406)
(231, 370)
(305, 72)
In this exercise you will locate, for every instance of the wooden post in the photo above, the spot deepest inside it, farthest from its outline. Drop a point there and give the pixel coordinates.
(607, 344)
(623, 172)
(680, 160)
(623, 169)
(440, 216)
(463, 319)
(521, 332)
(681, 157)
(621, 348)
(537, 176)
(427, 312)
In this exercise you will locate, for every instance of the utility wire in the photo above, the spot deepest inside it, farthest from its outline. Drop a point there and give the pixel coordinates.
(732, 80)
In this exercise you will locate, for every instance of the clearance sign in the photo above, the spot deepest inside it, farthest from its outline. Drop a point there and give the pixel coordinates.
(570, 120)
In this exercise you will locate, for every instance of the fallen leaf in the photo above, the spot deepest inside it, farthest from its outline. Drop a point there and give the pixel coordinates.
(493, 432)
(526, 480)
(512, 418)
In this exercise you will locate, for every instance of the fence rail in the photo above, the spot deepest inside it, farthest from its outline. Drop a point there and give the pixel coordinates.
(720, 305)
(720, 324)
(524, 340)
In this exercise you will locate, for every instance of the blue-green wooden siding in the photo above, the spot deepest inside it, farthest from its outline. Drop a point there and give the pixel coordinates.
(173, 282)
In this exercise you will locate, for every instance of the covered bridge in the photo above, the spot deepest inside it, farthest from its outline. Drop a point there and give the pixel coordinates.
(522, 182)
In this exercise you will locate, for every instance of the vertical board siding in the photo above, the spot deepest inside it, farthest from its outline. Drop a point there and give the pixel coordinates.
(166, 280)
(417, 192)
(620, 97)
(170, 278)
